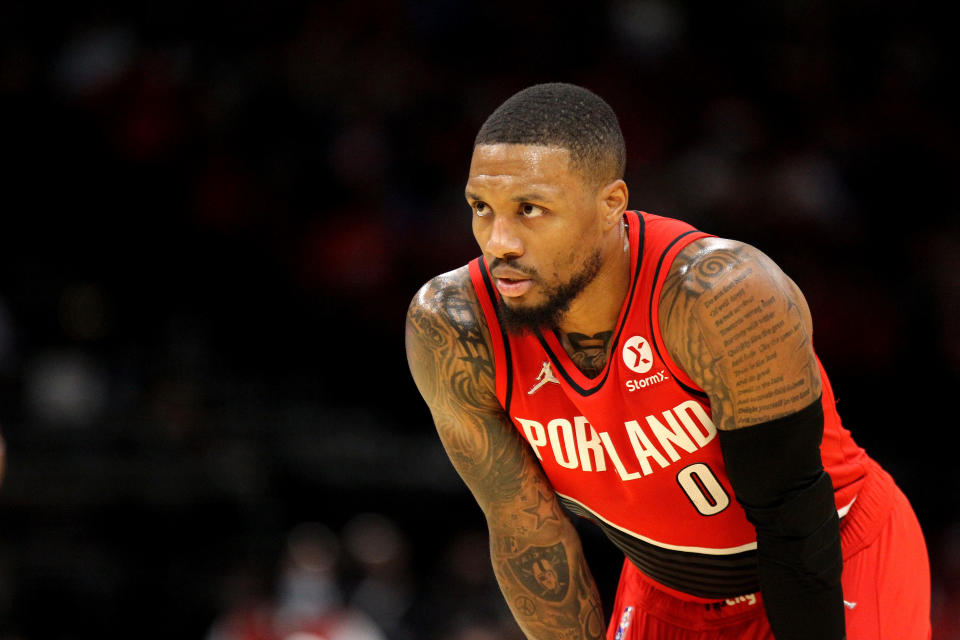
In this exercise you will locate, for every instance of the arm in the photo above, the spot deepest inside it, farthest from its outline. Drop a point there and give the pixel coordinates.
(536, 553)
(741, 329)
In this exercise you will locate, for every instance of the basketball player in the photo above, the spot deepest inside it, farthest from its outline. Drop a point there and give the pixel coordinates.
(661, 382)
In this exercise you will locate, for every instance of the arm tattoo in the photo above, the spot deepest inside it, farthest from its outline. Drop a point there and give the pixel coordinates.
(591, 613)
(544, 510)
(589, 353)
(553, 599)
(450, 358)
(464, 319)
(740, 328)
(536, 554)
(543, 571)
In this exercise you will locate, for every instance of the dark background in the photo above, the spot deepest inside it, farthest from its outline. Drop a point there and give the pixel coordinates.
(212, 219)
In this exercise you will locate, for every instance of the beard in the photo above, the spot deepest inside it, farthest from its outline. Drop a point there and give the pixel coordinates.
(548, 314)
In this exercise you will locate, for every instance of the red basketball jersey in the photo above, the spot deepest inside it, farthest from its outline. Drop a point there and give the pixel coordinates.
(635, 449)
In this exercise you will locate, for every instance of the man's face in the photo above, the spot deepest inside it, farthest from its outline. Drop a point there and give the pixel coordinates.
(538, 225)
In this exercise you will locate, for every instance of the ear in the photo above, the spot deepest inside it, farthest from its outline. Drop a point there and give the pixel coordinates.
(612, 202)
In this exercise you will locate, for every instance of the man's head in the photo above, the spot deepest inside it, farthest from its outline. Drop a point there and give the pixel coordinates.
(562, 115)
(547, 193)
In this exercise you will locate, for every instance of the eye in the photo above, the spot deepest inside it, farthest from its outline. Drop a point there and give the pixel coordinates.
(528, 210)
(480, 209)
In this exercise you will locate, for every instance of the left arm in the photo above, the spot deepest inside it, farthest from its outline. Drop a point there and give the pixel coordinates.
(741, 330)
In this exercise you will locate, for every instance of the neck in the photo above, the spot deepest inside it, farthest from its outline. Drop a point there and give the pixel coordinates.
(598, 306)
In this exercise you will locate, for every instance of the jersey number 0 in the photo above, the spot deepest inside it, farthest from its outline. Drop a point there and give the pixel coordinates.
(703, 489)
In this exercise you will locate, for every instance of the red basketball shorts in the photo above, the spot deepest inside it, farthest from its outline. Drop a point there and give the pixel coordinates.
(886, 584)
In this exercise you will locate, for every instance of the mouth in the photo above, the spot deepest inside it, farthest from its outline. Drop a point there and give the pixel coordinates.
(513, 287)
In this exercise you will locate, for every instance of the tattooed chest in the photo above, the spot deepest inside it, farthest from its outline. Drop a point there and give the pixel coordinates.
(589, 353)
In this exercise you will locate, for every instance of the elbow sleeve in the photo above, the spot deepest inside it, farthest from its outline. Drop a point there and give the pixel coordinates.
(778, 478)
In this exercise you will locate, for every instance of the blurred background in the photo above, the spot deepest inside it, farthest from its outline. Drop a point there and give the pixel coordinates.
(212, 219)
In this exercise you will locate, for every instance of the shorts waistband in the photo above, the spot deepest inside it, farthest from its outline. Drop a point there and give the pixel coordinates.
(686, 614)
(869, 512)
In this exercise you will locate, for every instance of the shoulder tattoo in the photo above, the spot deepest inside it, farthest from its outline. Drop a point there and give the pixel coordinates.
(741, 329)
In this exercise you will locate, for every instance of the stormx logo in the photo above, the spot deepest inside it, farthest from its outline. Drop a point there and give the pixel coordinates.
(638, 357)
(635, 384)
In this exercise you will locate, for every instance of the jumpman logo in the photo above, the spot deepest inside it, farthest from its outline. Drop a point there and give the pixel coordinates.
(546, 375)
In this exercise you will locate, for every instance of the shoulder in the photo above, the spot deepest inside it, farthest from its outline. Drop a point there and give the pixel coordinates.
(710, 268)
(448, 342)
(712, 249)
(450, 285)
(727, 315)
(446, 303)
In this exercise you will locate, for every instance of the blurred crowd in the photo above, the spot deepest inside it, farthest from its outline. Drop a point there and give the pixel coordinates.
(212, 219)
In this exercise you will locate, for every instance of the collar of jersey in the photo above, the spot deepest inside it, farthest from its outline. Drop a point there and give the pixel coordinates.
(558, 355)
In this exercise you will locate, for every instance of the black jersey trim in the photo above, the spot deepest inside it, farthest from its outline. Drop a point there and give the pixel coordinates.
(623, 322)
(491, 294)
(705, 575)
(653, 291)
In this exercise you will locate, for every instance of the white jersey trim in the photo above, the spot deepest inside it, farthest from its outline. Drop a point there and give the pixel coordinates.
(750, 546)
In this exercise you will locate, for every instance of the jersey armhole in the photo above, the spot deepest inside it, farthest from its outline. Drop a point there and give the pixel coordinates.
(663, 268)
(503, 366)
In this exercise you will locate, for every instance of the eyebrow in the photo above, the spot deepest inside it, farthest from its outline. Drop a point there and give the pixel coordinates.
(523, 197)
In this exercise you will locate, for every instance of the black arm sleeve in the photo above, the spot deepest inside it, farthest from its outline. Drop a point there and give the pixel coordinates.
(777, 475)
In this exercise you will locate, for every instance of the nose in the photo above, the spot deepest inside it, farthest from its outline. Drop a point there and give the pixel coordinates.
(503, 241)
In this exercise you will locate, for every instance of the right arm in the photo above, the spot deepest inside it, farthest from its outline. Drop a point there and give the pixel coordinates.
(536, 553)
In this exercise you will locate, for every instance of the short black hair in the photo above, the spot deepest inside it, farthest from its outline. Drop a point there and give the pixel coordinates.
(558, 114)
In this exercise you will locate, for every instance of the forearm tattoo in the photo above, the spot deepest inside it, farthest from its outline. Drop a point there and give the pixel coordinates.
(551, 596)
(543, 571)
(740, 328)
(536, 553)
(540, 566)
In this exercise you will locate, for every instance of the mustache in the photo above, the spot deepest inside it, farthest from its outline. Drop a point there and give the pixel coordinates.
(511, 264)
